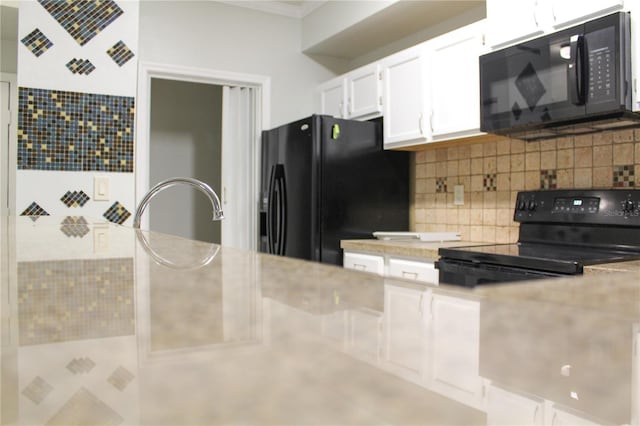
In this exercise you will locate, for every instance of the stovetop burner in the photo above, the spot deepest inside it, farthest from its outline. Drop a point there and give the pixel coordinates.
(561, 231)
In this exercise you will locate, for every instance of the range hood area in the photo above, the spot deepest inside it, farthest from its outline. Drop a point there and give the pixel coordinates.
(571, 82)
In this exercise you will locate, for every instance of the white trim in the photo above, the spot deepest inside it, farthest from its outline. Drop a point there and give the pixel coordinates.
(12, 158)
(149, 70)
(278, 7)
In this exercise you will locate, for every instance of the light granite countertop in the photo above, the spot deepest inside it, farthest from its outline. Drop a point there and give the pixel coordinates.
(105, 325)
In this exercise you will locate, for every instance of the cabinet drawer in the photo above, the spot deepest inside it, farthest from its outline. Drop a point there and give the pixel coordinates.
(364, 262)
(413, 270)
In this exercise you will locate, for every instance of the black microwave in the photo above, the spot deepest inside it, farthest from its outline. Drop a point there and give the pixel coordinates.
(570, 82)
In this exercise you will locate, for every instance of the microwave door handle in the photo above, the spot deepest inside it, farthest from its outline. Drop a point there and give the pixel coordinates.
(577, 71)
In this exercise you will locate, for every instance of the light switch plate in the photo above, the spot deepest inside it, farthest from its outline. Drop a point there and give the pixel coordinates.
(101, 188)
(100, 239)
(458, 195)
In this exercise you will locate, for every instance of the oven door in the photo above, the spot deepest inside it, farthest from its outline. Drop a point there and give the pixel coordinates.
(471, 274)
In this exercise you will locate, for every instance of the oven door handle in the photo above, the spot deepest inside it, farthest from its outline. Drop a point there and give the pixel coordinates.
(577, 71)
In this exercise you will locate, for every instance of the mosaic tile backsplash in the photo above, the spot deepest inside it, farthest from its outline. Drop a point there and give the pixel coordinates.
(37, 42)
(70, 131)
(493, 172)
(84, 19)
(96, 302)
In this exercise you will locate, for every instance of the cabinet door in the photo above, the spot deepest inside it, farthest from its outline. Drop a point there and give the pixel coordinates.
(404, 331)
(509, 21)
(569, 11)
(405, 100)
(365, 334)
(455, 84)
(331, 97)
(364, 262)
(364, 92)
(560, 417)
(455, 361)
(507, 408)
(413, 270)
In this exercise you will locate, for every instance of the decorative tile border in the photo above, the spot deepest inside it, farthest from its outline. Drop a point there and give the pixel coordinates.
(548, 179)
(96, 303)
(121, 378)
(37, 42)
(80, 66)
(624, 176)
(37, 390)
(85, 408)
(120, 53)
(441, 184)
(81, 365)
(75, 198)
(70, 131)
(83, 19)
(490, 182)
(73, 226)
(34, 210)
(117, 213)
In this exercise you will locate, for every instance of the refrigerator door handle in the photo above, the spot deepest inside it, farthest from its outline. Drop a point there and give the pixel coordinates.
(277, 211)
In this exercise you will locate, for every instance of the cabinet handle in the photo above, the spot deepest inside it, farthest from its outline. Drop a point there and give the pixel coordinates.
(359, 266)
(431, 307)
(349, 107)
(535, 414)
(420, 124)
(535, 13)
(341, 109)
(380, 100)
(553, 419)
(410, 275)
(431, 121)
(420, 305)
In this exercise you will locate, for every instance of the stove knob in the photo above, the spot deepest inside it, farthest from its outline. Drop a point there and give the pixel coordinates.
(531, 205)
(629, 206)
(522, 205)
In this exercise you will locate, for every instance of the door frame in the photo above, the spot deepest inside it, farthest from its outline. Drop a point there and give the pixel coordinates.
(8, 153)
(150, 70)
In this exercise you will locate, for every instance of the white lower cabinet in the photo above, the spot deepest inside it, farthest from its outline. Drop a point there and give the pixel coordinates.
(405, 331)
(364, 262)
(422, 270)
(505, 408)
(455, 349)
(560, 417)
(364, 337)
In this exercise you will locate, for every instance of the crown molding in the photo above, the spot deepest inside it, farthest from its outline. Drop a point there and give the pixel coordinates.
(278, 7)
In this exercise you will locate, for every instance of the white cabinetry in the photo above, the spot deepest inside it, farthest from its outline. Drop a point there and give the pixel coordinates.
(365, 335)
(331, 96)
(405, 331)
(512, 21)
(364, 92)
(422, 270)
(560, 417)
(364, 262)
(455, 84)
(405, 98)
(455, 348)
(506, 408)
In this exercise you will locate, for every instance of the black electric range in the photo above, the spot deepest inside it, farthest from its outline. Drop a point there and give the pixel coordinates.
(561, 232)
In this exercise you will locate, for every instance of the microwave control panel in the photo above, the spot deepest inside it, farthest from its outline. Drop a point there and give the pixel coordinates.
(602, 69)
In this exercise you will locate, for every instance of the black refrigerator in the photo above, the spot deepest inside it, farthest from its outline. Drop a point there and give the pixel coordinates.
(325, 179)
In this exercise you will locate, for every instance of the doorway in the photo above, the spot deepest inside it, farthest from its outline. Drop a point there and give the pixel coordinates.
(238, 149)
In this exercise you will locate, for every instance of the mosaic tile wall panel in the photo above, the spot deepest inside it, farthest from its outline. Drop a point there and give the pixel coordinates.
(117, 213)
(80, 66)
(79, 299)
(34, 210)
(75, 198)
(83, 19)
(74, 227)
(70, 131)
(493, 172)
(85, 408)
(37, 42)
(120, 53)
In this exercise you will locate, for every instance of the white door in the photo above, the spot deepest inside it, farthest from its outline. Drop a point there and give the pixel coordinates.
(331, 96)
(238, 163)
(364, 92)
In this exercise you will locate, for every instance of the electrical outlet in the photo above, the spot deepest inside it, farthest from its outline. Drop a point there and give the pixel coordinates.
(100, 239)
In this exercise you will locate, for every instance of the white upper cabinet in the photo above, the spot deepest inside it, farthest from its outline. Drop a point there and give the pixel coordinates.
(569, 11)
(364, 92)
(331, 96)
(511, 21)
(455, 85)
(405, 98)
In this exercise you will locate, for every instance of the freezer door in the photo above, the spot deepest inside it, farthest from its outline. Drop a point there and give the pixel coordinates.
(287, 205)
(363, 187)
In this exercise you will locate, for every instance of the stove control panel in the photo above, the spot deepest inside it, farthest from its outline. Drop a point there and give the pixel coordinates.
(608, 206)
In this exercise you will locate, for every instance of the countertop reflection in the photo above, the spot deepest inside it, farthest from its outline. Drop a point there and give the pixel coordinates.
(99, 326)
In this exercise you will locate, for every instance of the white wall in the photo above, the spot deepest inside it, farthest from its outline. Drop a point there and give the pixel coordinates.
(206, 34)
(185, 140)
(9, 41)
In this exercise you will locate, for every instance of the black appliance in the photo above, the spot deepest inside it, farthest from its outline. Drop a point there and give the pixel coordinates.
(570, 82)
(325, 179)
(561, 231)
